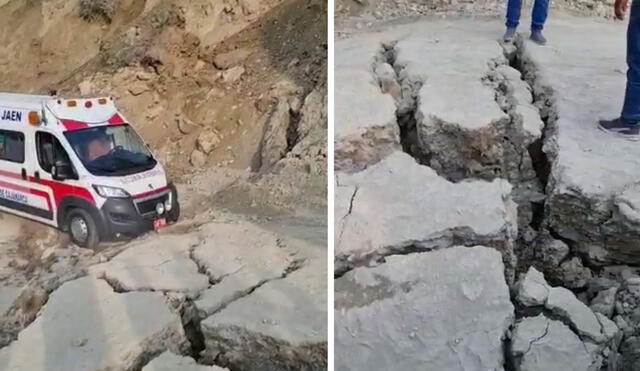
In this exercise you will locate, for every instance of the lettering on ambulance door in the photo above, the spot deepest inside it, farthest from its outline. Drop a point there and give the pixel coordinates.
(16, 191)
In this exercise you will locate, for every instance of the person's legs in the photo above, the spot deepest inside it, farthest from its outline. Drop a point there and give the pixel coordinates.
(538, 17)
(631, 107)
(539, 14)
(513, 13)
(628, 124)
(513, 18)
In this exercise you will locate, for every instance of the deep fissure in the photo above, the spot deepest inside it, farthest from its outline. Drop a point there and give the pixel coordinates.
(407, 103)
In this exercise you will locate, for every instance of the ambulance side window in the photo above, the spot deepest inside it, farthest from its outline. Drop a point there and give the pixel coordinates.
(49, 151)
(11, 146)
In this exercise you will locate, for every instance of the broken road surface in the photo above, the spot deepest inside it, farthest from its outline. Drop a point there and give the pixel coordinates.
(222, 295)
(454, 149)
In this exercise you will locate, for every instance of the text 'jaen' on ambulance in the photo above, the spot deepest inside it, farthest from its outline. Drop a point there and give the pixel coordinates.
(78, 165)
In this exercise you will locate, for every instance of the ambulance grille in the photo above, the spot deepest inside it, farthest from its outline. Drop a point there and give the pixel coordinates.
(149, 206)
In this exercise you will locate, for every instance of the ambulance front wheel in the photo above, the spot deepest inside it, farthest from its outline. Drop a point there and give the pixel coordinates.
(174, 214)
(82, 229)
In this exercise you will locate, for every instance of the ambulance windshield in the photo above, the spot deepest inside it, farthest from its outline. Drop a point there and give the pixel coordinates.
(111, 150)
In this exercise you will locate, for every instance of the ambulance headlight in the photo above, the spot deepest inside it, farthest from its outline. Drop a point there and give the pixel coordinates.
(160, 208)
(111, 192)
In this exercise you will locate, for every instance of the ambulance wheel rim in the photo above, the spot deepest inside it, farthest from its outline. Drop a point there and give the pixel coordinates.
(79, 229)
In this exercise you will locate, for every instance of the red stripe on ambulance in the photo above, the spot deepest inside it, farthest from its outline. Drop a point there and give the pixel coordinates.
(150, 193)
(34, 192)
(71, 125)
(116, 120)
(60, 190)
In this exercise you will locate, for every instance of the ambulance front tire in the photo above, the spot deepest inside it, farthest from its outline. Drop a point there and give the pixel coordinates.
(82, 228)
(174, 214)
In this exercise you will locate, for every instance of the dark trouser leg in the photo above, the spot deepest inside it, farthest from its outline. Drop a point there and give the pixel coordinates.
(631, 108)
(513, 13)
(539, 15)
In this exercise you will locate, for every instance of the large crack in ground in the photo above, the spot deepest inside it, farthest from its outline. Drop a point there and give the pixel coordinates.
(405, 91)
(526, 163)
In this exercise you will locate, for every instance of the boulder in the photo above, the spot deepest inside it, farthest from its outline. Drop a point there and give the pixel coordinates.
(232, 74)
(533, 289)
(207, 141)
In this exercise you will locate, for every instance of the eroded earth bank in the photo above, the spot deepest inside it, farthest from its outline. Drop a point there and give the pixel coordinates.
(482, 220)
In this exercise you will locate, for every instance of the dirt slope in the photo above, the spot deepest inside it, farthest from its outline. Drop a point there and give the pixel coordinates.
(180, 69)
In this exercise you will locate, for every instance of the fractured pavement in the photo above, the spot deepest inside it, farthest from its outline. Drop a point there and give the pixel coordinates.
(95, 328)
(448, 309)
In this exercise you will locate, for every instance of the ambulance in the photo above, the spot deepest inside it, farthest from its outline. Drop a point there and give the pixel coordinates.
(79, 165)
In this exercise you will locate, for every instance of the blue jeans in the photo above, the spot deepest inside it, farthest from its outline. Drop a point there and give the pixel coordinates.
(538, 17)
(631, 108)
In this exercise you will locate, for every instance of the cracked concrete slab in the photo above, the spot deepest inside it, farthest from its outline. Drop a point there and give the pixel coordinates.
(365, 120)
(474, 117)
(564, 303)
(400, 205)
(280, 325)
(240, 250)
(533, 290)
(541, 344)
(95, 328)
(157, 263)
(591, 171)
(448, 309)
(168, 361)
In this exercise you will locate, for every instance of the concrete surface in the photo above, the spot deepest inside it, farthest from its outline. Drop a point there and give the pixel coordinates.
(448, 309)
(281, 325)
(168, 361)
(95, 328)
(398, 203)
(365, 120)
(155, 264)
(240, 249)
(541, 344)
(591, 170)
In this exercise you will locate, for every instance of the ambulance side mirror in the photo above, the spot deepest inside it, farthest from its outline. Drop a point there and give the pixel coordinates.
(62, 170)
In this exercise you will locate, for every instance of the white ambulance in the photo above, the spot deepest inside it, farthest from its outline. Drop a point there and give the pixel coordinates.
(78, 165)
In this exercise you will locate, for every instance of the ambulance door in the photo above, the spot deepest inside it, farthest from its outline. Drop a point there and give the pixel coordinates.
(48, 151)
(17, 193)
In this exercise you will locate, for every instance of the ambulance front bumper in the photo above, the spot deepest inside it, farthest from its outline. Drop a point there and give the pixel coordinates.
(122, 218)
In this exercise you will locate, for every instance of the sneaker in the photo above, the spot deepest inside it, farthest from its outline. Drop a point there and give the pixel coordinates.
(537, 37)
(509, 35)
(629, 131)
